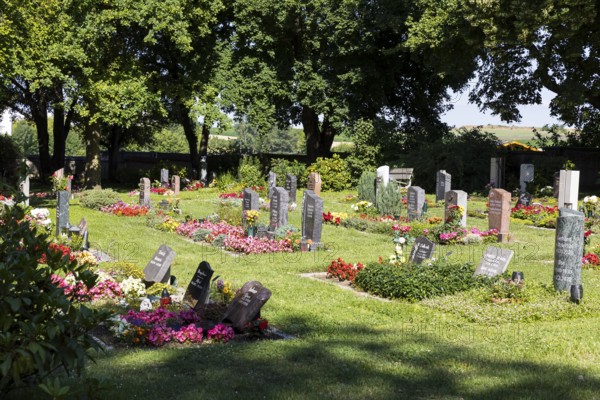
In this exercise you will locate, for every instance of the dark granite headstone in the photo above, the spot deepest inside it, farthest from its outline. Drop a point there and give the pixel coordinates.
(497, 172)
(198, 291)
(176, 184)
(272, 182)
(556, 184)
(525, 199)
(62, 211)
(415, 202)
(526, 176)
(145, 192)
(568, 249)
(291, 184)
(159, 267)
(312, 217)
(250, 201)
(422, 249)
(279, 208)
(261, 232)
(443, 184)
(494, 262)
(246, 305)
(164, 205)
(164, 178)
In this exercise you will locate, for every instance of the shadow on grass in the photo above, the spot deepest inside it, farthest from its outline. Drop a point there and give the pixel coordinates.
(348, 362)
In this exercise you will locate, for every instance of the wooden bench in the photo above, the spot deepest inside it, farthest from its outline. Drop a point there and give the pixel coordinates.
(402, 176)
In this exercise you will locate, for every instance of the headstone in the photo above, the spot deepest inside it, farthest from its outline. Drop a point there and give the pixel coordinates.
(499, 212)
(279, 208)
(246, 305)
(415, 202)
(568, 192)
(272, 182)
(176, 184)
(164, 178)
(526, 176)
(250, 201)
(164, 205)
(291, 184)
(198, 291)
(312, 217)
(383, 175)
(556, 185)
(62, 211)
(203, 170)
(494, 262)
(145, 192)
(568, 249)
(25, 189)
(497, 172)
(456, 198)
(83, 231)
(525, 199)
(443, 184)
(422, 249)
(261, 232)
(314, 183)
(159, 267)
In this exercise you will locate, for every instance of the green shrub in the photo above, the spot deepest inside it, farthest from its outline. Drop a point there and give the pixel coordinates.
(389, 200)
(123, 270)
(343, 148)
(417, 282)
(219, 240)
(281, 167)
(250, 172)
(334, 173)
(230, 213)
(200, 235)
(226, 182)
(41, 329)
(283, 231)
(366, 186)
(10, 156)
(366, 154)
(98, 198)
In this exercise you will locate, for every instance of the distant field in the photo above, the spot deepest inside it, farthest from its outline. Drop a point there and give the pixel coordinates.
(508, 133)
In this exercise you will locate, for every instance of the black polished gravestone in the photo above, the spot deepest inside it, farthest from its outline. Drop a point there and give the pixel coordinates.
(159, 267)
(278, 208)
(198, 291)
(246, 305)
(422, 249)
(250, 201)
(568, 248)
(312, 217)
(525, 199)
(494, 262)
(62, 211)
(291, 185)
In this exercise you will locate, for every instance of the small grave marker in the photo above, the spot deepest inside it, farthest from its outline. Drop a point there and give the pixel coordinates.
(25, 189)
(145, 192)
(415, 202)
(527, 171)
(176, 184)
(83, 231)
(250, 201)
(164, 178)
(314, 183)
(158, 268)
(443, 184)
(499, 212)
(312, 218)
(246, 305)
(291, 185)
(198, 291)
(568, 249)
(456, 198)
(422, 249)
(494, 262)
(525, 199)
(62, 211)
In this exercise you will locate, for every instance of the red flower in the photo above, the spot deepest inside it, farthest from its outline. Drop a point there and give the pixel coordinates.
(587, 233)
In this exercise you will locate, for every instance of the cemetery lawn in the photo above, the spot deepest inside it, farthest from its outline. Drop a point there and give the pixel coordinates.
(347, 346)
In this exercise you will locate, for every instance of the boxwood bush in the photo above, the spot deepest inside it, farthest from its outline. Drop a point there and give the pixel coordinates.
(98, 198)
(417, 282)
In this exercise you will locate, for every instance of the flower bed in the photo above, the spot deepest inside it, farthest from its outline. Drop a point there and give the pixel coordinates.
(343, 271)
(538, 215)
(123, 209)
(192, 186)
(231, 195)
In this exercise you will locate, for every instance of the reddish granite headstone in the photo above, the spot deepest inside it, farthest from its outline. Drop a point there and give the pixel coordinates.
(499, 213)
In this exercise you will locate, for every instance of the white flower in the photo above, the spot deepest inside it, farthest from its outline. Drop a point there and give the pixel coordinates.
(401, 240)
(594, 199)
(133, 287)
(40, 213)
(586, 199)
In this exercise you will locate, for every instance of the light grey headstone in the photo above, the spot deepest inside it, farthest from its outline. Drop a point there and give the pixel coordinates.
(158, 268)
(176, 184)
(279, 208)
(312, 217)
(443, 184)
(272, 182)
(383, 174)
(568, 191)
(422, 249)
(527, 171)
(25, 189)
(568, 249)
(456, 198)
(145, 192)
(415, 202)
(291, 185)
(203, 170)
(494, 262)
(62, 211)
(164, 178)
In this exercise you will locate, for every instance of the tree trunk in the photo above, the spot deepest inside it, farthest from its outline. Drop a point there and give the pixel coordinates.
(326, 139)
(192, 139)
(114, 148)
(204, 137)
(40, 118)
(310, 123)
(93, 167)
(58, 130)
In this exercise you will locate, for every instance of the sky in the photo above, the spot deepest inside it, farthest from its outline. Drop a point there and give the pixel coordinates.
(464, 113)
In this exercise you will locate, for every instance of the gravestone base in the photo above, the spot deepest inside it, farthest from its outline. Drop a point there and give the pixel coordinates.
(503, 237)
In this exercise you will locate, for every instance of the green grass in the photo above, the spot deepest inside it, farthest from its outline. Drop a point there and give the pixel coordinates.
(346, 346)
